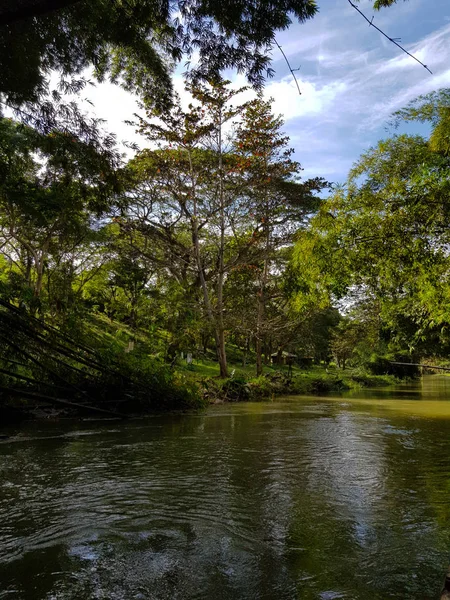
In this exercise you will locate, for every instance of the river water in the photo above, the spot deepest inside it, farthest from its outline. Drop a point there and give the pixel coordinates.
(302, 498)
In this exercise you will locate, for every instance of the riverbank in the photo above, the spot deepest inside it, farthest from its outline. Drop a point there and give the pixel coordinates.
(275, 381)
(49, 374)
(193, 387)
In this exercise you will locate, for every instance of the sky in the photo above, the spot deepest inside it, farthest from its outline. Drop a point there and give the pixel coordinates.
(351, 80)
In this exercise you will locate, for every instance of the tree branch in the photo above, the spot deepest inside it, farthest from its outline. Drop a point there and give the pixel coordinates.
(393, 40)
(290, 68)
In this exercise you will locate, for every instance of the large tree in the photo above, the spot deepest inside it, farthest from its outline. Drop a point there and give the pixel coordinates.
(278, 204)
(190, 185)
(386, 232)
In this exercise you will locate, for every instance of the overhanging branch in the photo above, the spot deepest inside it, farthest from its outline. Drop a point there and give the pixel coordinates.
(393, 40)
(289, 66)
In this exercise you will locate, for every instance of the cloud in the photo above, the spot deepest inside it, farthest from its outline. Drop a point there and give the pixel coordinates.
(384, 109)
(356, 82)
(299, 45)
(433, 50)
(315, 98)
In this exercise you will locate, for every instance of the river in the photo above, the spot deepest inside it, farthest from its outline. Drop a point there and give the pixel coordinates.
(301, 498)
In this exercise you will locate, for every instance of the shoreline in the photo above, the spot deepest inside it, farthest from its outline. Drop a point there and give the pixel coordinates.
(214, 392)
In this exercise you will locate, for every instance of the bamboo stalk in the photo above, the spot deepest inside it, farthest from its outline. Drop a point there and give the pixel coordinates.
(43, 366)
(50, 399)
(30, 380)
(419, 365)
(68, 352)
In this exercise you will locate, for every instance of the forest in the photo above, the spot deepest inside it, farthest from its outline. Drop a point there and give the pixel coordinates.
(202, 267)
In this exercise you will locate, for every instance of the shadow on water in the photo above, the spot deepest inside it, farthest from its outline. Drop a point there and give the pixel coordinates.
(311, 498)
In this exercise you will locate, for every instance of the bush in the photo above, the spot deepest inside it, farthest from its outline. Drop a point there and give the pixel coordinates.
(382, 365)
(236, 389)
(319, 385)
(365, 380)
(141, 384)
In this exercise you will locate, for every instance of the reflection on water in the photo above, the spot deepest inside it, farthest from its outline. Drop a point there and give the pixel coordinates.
(306, 498)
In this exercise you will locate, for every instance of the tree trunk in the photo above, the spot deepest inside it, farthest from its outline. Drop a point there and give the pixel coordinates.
(262, 303)
(28, 268)
(218, 336)
(259, 331)
(268, 351)
(39, 278)
(244, 353)
(205, 339)
(221, 351)
(280, 355)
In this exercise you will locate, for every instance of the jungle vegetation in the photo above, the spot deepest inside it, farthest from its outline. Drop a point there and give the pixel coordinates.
(206, 246)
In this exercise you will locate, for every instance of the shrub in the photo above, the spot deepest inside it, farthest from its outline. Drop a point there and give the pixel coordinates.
(383, 365)
(236, 389)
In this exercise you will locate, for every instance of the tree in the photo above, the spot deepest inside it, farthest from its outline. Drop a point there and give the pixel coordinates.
(277, 202)
(383, 3)
(137, 42)
(50, 186)
(189, 185)
(344, 340)
(386, 232)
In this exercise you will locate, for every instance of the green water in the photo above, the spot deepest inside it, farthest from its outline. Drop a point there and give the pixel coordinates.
(305, 498)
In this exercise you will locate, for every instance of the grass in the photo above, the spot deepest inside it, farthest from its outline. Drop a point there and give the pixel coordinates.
(275, 380)
(243, 383)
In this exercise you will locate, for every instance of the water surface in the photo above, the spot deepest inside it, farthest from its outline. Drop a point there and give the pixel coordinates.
(304, 498)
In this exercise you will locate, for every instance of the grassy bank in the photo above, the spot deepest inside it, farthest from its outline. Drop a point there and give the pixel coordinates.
(243, 385)
(48, 372)
(201, 377)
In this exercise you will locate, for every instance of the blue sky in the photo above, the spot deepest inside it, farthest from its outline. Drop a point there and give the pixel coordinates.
(351, 79)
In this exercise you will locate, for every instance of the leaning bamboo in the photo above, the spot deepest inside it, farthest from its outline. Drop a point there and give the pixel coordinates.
(48, 369)
(420, 365)
(50, 399)
(31, 380)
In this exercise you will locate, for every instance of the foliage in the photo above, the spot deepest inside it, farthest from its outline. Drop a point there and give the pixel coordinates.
(51, 188)
(135, 43)
(280, 204)
(220, 211)
(189, 251)
(385, 234)
(380, 365)
(236, 389)
(41, 362)
(149, 386)
(383, 3)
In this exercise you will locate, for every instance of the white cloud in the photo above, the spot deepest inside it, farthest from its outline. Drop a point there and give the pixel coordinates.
(356, 82)
(433, 51)
(304, 43)
(314, 99)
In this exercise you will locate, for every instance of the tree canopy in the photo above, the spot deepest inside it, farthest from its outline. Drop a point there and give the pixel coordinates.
(137, 42)
(386, 231)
